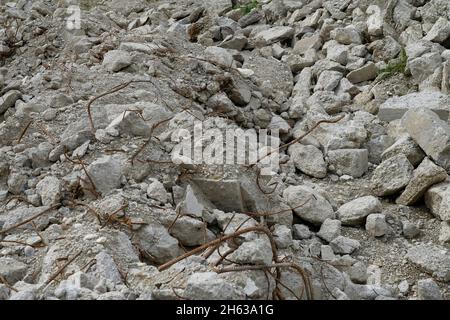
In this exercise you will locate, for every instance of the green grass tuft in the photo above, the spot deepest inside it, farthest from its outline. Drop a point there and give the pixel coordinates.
(396, 66)
(247, 8)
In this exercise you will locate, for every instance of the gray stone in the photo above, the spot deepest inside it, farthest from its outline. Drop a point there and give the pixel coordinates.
(432, 259)
(405, 145)
(235, 43)
(106, 268)
(271, 71)
(111, 296)
(365, 73)
(430, 133)
(358, 272)
(274, 34)
(116, 60)
(356, 211)
(106, 174)
(328, 80)
(306, 43)
(353, 162)
(308, 159)
(220, 103)
(157, 241)
(337, 52)
(239, 92)
(376, 225)
(423, 67)
(190, 231)
(251, 18)
(8, 100)
(392, 175)
(49, 189)
(219, 56)
(22, 213)
(224, 194)
(444, 232)
(4, 292)
(395, 107)
(210, 286)
(329, 230)
(440, 32)
(428, 289)
(326, 253)
(344, 245)
(301, 231)
(156, 191)
(437, 199)
(12, 270)
(282, 236)
(426, 175)
(347, 35)
(328, 100)
(60, 100)
(374, 21)
(410, 230)
(257, 251)
(308, 204)
(17, 183)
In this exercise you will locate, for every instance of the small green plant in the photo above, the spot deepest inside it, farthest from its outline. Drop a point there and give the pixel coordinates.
(396, 66)
(247, 8)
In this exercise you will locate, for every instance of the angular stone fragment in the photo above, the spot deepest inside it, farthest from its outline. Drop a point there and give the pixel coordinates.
(116, 60)
(437, 199)
(157, 241)
(432, 259)
(274, 34)
(9, 99)
(355, 211)
(426, 175)
(376, 225)
(365, 73)
(329, 230)
(405, 145)
(49, 189)
(308, 159)
(209, 285)
(391, 175)
(344, 245)
(12, 270)
(315, 209)
(440, 32)
(395, 107)
(106, 174)
(353, 162)
(430, 133)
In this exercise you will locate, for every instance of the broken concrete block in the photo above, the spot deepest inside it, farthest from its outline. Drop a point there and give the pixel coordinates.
(392, 175)
(405, 145)
(356, 211)
(308, 159)
(365, 73)
(116, 60)
(316, 208)
(395, 107)
(430, 133)
(437, 199)
(353, 162)
(426, 175)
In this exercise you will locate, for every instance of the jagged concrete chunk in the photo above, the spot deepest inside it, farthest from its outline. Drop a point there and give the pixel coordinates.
(430, 133)
(392, 175)
(426, 174)
(395, 107)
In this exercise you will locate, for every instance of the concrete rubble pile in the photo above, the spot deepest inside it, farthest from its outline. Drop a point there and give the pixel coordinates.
(98, 203)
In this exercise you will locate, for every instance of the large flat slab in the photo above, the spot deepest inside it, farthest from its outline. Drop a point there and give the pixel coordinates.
(395, 107)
